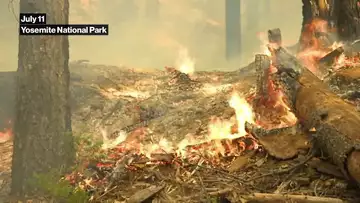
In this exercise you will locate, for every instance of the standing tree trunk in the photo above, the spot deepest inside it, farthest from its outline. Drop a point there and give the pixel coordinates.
(233, 28)
(319, 18)
(348, 19)
(342, 18)
(42, 127)
(251, 16)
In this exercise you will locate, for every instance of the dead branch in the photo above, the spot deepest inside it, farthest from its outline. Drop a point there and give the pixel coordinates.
(329, 58)
(265, 197)
(289, 170)
(144, 194)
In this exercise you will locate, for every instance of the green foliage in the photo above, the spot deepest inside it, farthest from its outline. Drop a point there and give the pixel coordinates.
(87, 147)
(52, 185)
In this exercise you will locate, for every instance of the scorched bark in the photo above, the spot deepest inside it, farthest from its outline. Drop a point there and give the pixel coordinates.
(348, 22)
(42, 142)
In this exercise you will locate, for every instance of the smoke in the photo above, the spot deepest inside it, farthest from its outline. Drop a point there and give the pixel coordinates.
(146, 35)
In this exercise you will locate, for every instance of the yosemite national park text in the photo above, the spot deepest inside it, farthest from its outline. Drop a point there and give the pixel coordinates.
(63, 30)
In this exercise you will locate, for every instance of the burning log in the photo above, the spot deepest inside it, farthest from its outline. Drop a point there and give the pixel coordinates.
(317, 107)
(329, 59)
(327, 62)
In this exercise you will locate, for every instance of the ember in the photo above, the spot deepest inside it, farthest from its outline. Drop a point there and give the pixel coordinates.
(5, 135)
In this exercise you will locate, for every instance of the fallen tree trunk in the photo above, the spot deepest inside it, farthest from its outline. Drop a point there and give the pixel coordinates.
(316, 106)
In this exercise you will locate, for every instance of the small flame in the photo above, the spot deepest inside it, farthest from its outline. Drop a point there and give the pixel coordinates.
(6, 135)
(222, 129)
(185, 63)
(243, 112)
(264, 43)
(313, 48)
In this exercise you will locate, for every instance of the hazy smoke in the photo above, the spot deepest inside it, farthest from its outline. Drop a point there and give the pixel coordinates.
(146, 35)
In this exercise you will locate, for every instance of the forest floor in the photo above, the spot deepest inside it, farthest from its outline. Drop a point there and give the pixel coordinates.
(165, 136)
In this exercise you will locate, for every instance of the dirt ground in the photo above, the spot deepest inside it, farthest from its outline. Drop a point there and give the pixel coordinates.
(111, 101)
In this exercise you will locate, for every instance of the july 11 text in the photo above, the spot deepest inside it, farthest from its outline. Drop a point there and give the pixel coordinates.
(32, 18)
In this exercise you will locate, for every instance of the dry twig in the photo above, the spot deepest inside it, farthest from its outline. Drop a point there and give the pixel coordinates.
(289, 170)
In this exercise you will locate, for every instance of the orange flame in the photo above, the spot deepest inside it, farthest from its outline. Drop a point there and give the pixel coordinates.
(312, 47)
(219, 130)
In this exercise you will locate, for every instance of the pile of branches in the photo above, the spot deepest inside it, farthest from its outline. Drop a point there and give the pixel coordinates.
(327, 126)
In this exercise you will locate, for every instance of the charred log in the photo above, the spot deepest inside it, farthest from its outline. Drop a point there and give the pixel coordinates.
(275, 36)
(329, 59)
(317, 107)
(327, 62)
(262, 66)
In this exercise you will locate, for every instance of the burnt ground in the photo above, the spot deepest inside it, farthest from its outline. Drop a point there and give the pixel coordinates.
(117, 100)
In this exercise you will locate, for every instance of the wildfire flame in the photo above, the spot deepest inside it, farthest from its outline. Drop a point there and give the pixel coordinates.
(316, 45)
(218, 130)
(243, 112)
(277, 98)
